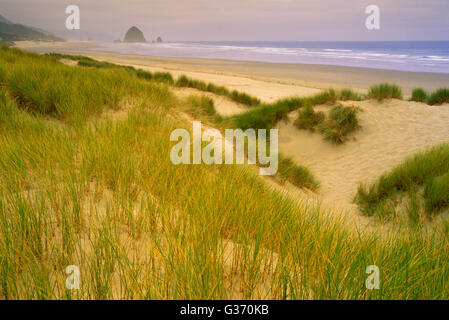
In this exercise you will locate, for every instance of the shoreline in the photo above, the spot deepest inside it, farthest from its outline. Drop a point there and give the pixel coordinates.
(312, 76)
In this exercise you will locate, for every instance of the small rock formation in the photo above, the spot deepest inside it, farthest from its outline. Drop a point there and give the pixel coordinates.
(134, 35)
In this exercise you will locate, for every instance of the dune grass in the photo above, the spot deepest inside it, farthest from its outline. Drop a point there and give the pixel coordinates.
(425, 169)
(102, 64)
(236, 96)
(329, 96)
(438, 97)
(385, 91)
(202, 108)
(299, 176)
(419, 95)
(436, 193)
(266, 116)
(45, 86)
(341, 122)
(263, 117)
(308, 119)
(104, 196)
(349, 95)
(163, 77)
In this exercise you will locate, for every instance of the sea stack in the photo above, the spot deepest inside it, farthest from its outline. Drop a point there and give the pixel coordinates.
(134, 35)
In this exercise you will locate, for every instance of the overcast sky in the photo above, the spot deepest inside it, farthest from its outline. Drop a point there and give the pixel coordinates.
(280, 20)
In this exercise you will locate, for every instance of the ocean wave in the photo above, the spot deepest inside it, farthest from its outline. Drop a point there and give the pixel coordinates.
(338, 50)
(421, 59)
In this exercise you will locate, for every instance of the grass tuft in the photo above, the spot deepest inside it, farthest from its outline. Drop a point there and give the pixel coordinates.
(91, 196)
(349, 95)
(385, 91)
(308, 119)
(410, 175)
(436, 193)
(419, 95)
(236, 96)
(202, 107)
(439, 97)
(328, 96)
(340, 122)
(299, 176)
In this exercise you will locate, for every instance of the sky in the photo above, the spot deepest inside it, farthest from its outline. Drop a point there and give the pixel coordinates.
(240, 20)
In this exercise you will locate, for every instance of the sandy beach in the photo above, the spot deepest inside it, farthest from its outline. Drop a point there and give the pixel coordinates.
(391, 130)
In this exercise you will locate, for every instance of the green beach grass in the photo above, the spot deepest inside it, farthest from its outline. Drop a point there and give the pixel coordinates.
(83, 184)
(385, 91)
(428, 170)
(341, 122)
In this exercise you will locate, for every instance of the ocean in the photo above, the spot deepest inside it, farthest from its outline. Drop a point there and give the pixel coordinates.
(419, 56)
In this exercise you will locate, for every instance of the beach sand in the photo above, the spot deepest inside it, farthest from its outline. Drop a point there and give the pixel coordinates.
(391, 130)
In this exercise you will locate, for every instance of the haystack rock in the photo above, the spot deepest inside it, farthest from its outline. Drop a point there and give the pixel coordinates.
(134, 35)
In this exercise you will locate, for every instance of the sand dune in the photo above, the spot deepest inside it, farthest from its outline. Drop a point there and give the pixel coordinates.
(391, 131)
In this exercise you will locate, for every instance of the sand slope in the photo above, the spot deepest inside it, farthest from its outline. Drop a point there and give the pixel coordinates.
(392, 130)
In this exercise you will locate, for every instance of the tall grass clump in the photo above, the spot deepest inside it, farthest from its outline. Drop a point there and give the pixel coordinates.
(43, 85)
(236, 96)
(340, 122)
(262, 117)
(419, 95)
(349, 95)
(144, 74)
(219, 90)
(297, 175)
(244, 98)
(412, 174)
(439, 97)
(164, 77)
(7, 107)
(184, 81)
(328, 96)
(201, 107)
(385, 91)
(265, 116)
(436, 193)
